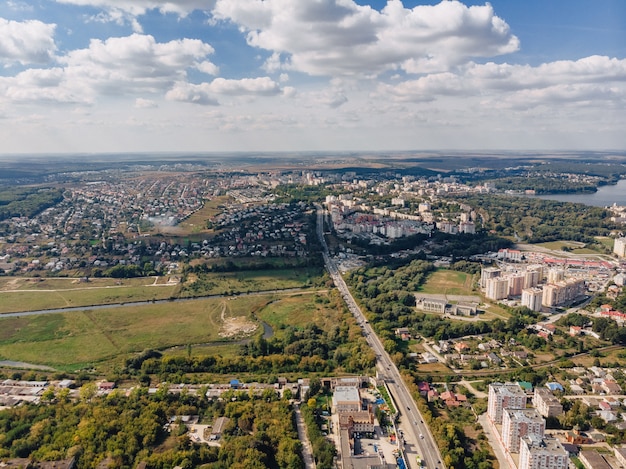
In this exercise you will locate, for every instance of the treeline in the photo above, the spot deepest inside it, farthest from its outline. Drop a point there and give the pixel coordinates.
(253, 265)
(536, 221)
(543, 184)
(129, 429)
(27, 202)
(324, 451)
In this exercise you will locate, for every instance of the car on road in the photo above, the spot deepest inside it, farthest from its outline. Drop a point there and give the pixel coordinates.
(421, 436)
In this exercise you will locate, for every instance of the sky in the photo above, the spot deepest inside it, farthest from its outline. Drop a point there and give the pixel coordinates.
(102, 76)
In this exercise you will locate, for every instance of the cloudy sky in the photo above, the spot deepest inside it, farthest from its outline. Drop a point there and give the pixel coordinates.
(361, 75)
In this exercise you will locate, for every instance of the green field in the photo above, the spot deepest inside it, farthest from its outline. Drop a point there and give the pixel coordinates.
(28, 294)
(74, 339)
(218, 283)
(449, 282)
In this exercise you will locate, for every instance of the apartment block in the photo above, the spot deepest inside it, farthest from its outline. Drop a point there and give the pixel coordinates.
(504, 396)
(532, 298)
(546, 404)
(619, 247)
(497, 288)
(518, 423)
(542, 453)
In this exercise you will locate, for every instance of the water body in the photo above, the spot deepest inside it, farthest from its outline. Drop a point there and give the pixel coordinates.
(604, 197)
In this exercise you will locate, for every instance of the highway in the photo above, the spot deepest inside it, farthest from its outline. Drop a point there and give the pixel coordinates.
(418, 439)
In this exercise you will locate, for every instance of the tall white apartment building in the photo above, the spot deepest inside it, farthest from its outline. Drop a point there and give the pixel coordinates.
(517, 423)
(497, 288)
(546, 404)
(488, 273)
(542, 453)
(619, 247)
(532, 298)
(504, 396)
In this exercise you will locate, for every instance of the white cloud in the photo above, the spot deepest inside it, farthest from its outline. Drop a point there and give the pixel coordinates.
(190, 93)
(204, 93)
(592, 79)
(339, 37)
(141, 103)
(26, 42)
(261, 86)
(139, 7)
(208, 68)
(133, 64)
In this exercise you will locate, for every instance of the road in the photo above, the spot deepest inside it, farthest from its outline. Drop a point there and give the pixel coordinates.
(418, 439)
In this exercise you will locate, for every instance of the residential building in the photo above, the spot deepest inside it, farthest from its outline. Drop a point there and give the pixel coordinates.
(504, 396)
(516, 284)
(517, 423)
(546, 404)
(497, 288)
(619, 247)
(532, 297)
(489, 273)
(542, 453)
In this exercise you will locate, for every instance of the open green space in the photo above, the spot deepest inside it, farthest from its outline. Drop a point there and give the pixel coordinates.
(35, 295)
(218, 283)
(82, 339)
(74, 339)
(449, 282)
(299, 310)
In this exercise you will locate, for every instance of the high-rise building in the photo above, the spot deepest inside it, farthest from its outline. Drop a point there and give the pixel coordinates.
(504, 396)
(532, 297)
(517, 423)
(546, 404)
(497, 288)
(542, 453)
(516, 284)
(487, 273)
(619, 247)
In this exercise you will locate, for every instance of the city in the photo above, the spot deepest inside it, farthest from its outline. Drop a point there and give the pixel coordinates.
(389, 293)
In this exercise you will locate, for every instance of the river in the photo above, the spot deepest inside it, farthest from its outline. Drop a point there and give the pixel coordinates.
(604, 197)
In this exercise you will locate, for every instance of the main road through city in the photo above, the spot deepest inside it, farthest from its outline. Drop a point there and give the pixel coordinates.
(419, 442)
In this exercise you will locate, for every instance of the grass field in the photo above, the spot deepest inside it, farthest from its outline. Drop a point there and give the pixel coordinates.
(449, 282)
(247, 281)
(74, 339)
(28, 294)
(299, 310)
(82, 339)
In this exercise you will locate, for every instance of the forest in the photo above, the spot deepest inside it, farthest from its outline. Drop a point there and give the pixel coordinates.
(27, 201)
(535, 220)
(126, 430)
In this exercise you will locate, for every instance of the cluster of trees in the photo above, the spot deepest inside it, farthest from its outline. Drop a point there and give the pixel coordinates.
(323, 450)
(607, 328)
(129, 429)
(544, 184)
(457, 449)
(309, 349)
(27, 201)
(536, 220)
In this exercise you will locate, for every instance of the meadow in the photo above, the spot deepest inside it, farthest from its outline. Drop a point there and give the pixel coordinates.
(83, 339)
(34, 294)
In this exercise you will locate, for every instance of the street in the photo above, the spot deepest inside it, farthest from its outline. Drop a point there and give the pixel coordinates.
(419, 440)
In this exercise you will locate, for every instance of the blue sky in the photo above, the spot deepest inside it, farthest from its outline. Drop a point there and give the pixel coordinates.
(296, 75)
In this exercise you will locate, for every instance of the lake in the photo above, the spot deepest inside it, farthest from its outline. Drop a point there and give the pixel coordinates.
(604, 197)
